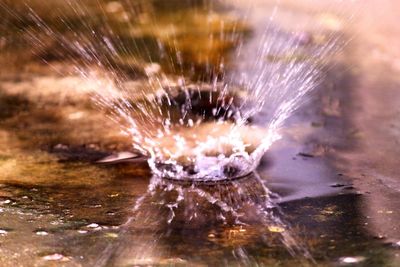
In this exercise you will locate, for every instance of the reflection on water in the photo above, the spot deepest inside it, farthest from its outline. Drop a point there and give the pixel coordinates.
(173, 218)
(130, 222)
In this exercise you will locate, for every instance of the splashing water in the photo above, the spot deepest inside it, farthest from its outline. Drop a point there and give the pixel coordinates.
(198, 114)
(189, 127)
(226, 213)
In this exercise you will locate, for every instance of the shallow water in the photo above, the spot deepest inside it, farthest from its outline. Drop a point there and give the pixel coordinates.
(335, 169)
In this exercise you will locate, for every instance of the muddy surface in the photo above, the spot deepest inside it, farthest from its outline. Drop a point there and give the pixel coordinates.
(334, 175)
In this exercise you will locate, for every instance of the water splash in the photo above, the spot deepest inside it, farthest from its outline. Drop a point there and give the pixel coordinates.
(183, 107)
(224, 213)
(196, 118)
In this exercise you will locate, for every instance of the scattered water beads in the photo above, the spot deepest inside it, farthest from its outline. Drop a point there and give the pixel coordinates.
(190, 131)
(41, 233)
(229, 213)
(204, 131)
(3, 232)
(178, 97)
(56, 257)
(351, 260)
(7, 201)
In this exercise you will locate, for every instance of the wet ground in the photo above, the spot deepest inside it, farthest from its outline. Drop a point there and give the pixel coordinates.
(335, 169)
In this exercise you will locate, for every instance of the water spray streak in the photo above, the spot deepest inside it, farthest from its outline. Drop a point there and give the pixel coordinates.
(189, 127)
(240, 207)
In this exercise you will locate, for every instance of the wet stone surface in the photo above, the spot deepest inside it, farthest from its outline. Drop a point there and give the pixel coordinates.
(326, 194)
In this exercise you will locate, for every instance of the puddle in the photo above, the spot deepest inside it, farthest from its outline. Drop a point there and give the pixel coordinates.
(332, 176)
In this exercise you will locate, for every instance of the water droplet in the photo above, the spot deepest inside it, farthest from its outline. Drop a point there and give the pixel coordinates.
(42, 233)
(152, 69)
(114, 7)
(76, 115)
(3, 232)
(93, 225)
(351, 260)
(60, 147)
(276, 229)
(111, 235)
(82, 231)
(55, 257)
(173, 262)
